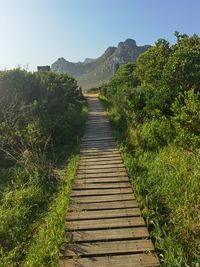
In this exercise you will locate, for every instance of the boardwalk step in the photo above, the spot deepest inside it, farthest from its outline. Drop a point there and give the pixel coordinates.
(104, 205)
(119, 173)
(93, 166)
(108, 234)
(105, 248)
(103, 180)
(99, 214)
(134, 260)
(100, 185)
(101, 170)
(104, 198)
(105, 223)
(98, 192)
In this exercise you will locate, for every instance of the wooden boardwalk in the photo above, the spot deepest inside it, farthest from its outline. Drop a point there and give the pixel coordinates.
(104, 226)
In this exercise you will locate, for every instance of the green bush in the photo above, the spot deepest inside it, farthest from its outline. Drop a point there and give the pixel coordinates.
(156, 133)
(41, 119)
(186, 120)
(155, 112)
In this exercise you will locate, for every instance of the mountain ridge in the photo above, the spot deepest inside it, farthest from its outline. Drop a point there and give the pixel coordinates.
(94, 72)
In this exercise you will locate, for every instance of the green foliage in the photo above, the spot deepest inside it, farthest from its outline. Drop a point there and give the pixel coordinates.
(124, 78)
(156, 133)
(186, 119)
(155, 112)
(151, 63)
(41, 119)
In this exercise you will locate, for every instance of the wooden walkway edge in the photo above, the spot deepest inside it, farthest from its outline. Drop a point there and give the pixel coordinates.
(104, 226)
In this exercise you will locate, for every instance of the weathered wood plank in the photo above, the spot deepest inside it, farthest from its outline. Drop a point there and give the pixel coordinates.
(101, 171)
(97, 192)
(103, 180)
(117, 173)
(100, 155)
(107, 234)
(91, 166)
(102, 140)
(133, 260)
(100, 161)
(110, 144)
(99, 151)
(105, 198)
(99, 214)
(105, 223)
(105, 248)
(103, 205)
(78, 185)
(103, 158)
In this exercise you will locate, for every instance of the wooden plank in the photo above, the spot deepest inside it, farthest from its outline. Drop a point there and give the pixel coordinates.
(100, 161)
(105, 198)
(133, 260)
(116, 213)
(99, 131)
(102, 146)
(103, 205)
(99, 148)
(78, 185)
(105, 248)
(99, 119)
(104, 139)
(101, 170)
(103, 180)
(103, 123)
(107, 234)
(105, 223)
(99, 151)
(89, 130)
(99, 143)
(103, 156)
(96, 138)
(91, 166)
(110, 144)
(95, 158)
(119, 173)
(97, 192)
(97, 135)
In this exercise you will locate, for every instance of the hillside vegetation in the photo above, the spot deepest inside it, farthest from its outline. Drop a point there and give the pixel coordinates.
(154, 107)
(41, 118)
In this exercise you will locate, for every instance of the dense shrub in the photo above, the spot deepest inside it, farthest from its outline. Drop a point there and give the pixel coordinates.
(155, 112)
(186, 120)
(41, 117)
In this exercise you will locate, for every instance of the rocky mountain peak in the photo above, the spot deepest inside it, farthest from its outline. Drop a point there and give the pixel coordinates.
(95, 72)
(128, 42)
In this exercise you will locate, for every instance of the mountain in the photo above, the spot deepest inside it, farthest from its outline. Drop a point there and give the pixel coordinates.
(95, 72)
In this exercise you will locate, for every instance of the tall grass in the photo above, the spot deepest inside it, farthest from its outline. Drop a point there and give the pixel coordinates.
(166, 181)
(44, 249)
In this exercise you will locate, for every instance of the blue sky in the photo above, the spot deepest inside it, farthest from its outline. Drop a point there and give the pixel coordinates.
(37, 32)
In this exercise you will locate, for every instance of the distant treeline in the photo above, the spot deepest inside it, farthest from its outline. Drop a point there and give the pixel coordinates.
(155, 110)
